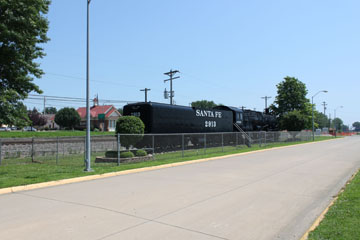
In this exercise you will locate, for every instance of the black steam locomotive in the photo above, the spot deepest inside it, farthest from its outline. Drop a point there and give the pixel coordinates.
(165, 118)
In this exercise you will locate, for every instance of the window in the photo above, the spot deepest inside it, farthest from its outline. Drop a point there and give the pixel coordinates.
(111, 123)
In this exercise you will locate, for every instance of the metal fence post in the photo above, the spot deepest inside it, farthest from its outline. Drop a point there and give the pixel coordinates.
(251, 136)
(182, 144)
(237, 141)
(222, 142)
(153, 145)
(118, 149)
(84, 150)
(0, 151)
(259, 137)
(57, 150)
(32, 149)
(91, 146)
(204, 143)
(265, 139)
(274, 137)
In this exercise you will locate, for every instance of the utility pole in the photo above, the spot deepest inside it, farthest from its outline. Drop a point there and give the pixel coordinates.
(44, 105)
(145, 90)
(171, 75)
(266, 98)
(324, 104)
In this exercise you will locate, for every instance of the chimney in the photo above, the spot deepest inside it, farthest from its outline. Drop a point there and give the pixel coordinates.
(96, 101)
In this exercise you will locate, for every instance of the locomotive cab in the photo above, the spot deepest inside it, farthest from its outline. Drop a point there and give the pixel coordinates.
(238, 115)
(239, 118)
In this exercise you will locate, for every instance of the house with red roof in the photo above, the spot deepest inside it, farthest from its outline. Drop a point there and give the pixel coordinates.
(101, 117)
(50, 122)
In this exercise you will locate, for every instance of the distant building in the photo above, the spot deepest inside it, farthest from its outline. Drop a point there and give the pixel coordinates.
(101, 117)
(50, 122)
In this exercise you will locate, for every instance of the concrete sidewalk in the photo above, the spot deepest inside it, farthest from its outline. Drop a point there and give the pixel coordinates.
(275, 194)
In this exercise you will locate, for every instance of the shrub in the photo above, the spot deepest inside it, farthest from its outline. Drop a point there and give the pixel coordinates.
(67, 118)
(140, 153)
(293, 121)
(36, 118)
(130, 125)
(111, 154)
(126, 155)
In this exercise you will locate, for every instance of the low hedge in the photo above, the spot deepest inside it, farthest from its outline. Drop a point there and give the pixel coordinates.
(127, 155)
(111, 154)
(140, 153)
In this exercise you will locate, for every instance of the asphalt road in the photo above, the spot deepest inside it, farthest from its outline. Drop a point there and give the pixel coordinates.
(275, 194)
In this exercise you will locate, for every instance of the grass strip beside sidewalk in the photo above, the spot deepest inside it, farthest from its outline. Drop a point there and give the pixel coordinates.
(342, 221)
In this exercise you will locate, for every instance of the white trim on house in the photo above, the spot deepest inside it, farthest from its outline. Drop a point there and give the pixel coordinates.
(114, 114)
(112, 125)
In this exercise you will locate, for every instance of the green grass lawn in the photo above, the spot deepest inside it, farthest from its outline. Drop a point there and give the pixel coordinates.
(342, 221)
(60, 133)
(15, 172)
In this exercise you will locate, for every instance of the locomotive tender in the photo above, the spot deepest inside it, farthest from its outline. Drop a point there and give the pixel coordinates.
(165, 118)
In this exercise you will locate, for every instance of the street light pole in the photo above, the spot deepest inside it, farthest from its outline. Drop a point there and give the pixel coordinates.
(312, 108)
(337, 109)
(88, 146)
(335, 116)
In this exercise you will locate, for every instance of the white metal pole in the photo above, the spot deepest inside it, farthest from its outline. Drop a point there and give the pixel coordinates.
(88, 142)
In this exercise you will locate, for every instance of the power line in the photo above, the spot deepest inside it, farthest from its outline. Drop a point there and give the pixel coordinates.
(62, 101)
(97, 81)
(105, 82)
(73, 99)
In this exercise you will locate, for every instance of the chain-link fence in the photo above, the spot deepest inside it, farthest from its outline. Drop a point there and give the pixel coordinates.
(114, 149)
(59, 150)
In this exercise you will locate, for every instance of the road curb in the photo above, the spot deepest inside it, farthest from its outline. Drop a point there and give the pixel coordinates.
(322, 215)
(137, 170)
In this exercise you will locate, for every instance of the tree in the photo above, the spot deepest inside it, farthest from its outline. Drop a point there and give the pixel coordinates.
(130, 125)
(67, 118)
(16, 113)
(321, 120)
(36, 118)
(293, 121)
(356, 125)
(50, 110)
(291, 105)
(291, 96)
(23, 27)
(203, 104)
(337, 122)
(345, 128)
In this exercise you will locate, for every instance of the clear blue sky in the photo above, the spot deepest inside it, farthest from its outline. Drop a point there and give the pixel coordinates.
(231, 52)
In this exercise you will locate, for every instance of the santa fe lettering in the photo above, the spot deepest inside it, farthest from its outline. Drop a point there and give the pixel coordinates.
(207, 113)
